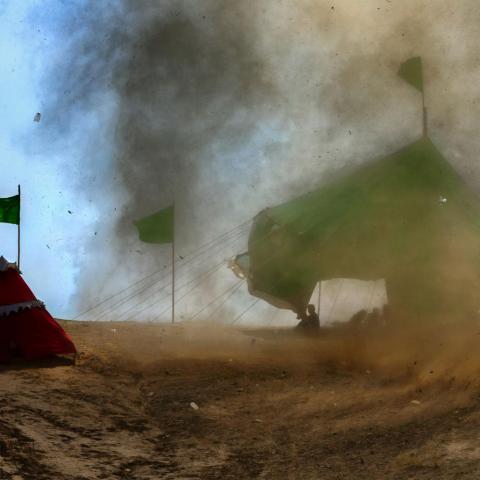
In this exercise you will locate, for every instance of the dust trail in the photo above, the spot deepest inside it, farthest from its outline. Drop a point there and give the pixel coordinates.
(402, 350)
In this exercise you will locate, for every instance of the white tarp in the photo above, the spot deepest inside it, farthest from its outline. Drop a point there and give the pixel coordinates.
(340, 298)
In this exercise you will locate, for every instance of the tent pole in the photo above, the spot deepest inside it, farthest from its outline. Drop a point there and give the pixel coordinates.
(319, 296)
(173, 268)
(18, 231)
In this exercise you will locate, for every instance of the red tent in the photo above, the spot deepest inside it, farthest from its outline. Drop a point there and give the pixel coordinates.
(25, 325)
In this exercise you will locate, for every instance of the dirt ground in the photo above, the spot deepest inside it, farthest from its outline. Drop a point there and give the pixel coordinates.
(380, 404)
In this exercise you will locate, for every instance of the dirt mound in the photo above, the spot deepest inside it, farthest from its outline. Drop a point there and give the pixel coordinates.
(203, 401)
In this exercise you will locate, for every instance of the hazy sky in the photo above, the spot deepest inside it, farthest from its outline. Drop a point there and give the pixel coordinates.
(226, 107)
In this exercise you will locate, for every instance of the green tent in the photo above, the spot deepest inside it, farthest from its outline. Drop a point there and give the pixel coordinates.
(407, 218)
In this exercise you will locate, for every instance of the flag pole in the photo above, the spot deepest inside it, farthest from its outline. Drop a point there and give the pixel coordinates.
(18, 230)
(425, 118)
(173, 267)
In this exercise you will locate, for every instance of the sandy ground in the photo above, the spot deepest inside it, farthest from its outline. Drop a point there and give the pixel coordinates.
(377, 404)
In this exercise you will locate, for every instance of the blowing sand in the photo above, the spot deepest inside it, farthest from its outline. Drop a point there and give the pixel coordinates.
(201, 401)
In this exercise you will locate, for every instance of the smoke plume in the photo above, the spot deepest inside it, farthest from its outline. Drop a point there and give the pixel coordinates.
(225, 107)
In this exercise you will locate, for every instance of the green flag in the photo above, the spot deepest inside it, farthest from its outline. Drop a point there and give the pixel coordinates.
(411, 71)
(10, 210)
(157, 228)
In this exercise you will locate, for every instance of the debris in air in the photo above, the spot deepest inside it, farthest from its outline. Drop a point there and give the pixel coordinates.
(194, 405)
(37, 117)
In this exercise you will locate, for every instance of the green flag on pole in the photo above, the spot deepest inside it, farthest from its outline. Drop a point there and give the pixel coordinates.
(411, 71)
(160, 228)
(10, 210)
(157, 228)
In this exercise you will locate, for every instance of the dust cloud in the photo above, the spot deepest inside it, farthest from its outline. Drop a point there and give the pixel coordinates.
(429, 354)
(226, 107)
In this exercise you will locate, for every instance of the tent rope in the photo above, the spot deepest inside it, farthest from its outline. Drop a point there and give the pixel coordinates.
(204, 275)
(232, 287)
(193, 256)
(234, 290)
(158, 300)
(245, 311)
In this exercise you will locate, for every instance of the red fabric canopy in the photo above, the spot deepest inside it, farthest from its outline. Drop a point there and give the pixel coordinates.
(32, 331)
(13, 288)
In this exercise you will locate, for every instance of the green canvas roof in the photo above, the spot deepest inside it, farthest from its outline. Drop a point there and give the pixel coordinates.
(408, 218)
